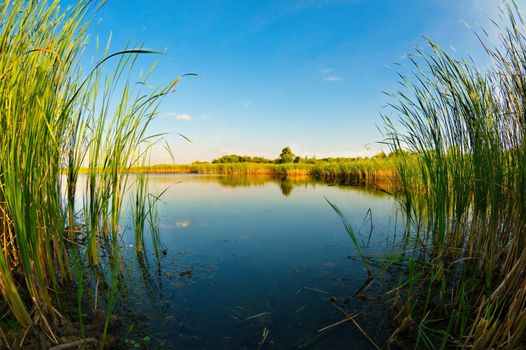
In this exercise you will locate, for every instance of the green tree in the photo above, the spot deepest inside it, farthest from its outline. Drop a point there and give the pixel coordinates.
(286, 156)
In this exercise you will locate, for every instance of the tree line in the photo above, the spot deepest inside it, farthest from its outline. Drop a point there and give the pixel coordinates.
(287, 156)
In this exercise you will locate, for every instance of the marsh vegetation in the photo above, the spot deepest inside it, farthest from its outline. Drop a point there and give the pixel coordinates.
(57, 115)
(72, 133)
(463, 250)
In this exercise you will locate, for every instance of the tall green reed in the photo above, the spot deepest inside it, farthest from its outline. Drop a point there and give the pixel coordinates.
(462, 188)
(39, 71)
(54, 119)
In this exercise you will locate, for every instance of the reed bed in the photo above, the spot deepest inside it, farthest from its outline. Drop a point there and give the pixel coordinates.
(358, 172)
(223, 168)
(55, 118)
(463, 192)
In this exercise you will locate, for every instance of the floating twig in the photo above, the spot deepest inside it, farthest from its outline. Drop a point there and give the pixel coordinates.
(357, 326)
(264, 336)
(263, 314)
(365, 334)
(75, 344)
(366, 285)
(348, 318)
(316, 290)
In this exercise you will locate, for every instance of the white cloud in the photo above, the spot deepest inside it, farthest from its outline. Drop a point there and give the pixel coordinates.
(179, 116)
(333, 78)
(328, 74)
(246, 104)
(183, 116)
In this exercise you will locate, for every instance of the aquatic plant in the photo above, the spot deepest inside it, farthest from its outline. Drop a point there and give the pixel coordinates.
(358, 172)
(462, 189)
(55, 118)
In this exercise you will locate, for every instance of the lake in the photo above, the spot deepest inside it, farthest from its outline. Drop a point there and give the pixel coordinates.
(257, 262)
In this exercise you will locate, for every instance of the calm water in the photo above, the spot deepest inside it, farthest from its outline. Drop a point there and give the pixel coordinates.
(245, 255)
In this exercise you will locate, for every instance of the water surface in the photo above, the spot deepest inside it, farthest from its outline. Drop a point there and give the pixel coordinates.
(247, 256)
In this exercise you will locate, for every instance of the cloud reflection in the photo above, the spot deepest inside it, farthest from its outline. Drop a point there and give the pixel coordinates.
(183, 223)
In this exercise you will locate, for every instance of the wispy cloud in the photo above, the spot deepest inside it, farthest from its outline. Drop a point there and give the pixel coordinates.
(183, 116)
(246, 104)
(290, 8)
(179, 116)
(333, 78)
(328, 74)
(286, 8)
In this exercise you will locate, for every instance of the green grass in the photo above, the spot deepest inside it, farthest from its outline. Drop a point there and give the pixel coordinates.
(463, 192)
(224, 168)
(55, 117)
(367, 171)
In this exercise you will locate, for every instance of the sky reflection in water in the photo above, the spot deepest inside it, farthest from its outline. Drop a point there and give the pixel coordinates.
(263, 254)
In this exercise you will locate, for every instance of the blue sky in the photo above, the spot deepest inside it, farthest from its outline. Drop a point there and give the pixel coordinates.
(305, 74)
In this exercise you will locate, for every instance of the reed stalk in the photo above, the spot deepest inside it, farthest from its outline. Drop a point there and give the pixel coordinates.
(56, 118)
(462, 187)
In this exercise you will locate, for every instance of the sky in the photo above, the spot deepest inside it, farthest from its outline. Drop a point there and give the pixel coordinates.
(309, 74)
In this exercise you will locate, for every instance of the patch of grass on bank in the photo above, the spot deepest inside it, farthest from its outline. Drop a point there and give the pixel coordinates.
(366, 171)
(226, 168)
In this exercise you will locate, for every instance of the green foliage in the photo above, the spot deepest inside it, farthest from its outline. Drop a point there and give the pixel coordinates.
(351, 233)
(460, 148)
(286, 156)
(374, 171)
(241, 159)
(55, 117)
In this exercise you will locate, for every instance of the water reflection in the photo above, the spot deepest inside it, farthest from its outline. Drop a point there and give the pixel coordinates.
(286, 187)
(286, 184)
(183, 223)
(260, 255)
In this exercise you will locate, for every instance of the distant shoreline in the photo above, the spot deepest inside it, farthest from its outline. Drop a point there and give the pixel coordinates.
(367, 171)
